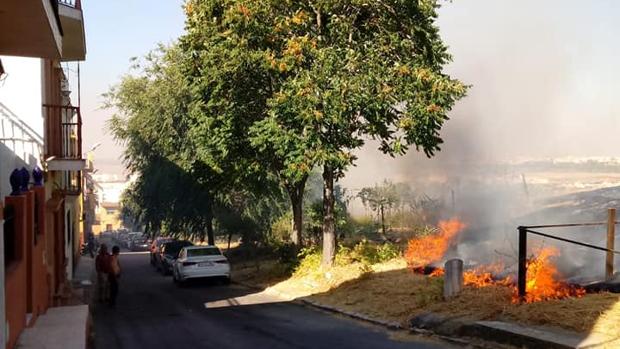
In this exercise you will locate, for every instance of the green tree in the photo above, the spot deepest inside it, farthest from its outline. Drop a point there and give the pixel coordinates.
(180, 183)
(312, 80)
(381, 198)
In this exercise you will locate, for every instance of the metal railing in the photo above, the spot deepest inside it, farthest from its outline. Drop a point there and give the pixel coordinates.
(609, 249)
(77, 4)
(71, 183)
(64, 132)
(19, 136)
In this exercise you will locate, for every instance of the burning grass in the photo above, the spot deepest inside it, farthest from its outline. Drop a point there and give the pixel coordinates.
(543, 278)
(397, 290)
(398, 294)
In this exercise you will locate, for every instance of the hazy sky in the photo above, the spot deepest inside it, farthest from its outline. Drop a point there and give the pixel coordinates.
(117, 30)
(544, 77)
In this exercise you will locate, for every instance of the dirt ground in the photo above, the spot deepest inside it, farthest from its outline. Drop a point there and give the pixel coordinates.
(392, 292)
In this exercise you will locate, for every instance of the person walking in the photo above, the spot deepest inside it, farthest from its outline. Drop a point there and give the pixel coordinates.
(102, 266)
(114, 274)
(90, 245)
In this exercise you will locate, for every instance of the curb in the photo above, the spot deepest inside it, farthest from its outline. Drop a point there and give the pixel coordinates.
(534, 337)
(390, 325)
(358, 316)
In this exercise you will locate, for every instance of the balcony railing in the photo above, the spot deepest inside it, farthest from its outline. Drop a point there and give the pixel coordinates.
(71, 3)
(71, 183)
(64, 132)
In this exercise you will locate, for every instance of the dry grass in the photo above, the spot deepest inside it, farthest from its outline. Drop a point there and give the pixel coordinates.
(262, 274)
(390, 291)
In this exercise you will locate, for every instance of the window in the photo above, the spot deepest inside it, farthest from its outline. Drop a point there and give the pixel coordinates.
(209, 251)
(108, 227)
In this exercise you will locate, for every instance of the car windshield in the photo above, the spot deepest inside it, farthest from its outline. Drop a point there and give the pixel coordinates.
(173, 248)
(208, 251)
(163, 241)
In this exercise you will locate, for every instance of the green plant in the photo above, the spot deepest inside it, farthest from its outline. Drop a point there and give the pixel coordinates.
(387, 251)
(309, 261)
(370, 253)
(281, 228)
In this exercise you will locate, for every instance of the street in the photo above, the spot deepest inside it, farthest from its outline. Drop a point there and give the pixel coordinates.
(152, 312)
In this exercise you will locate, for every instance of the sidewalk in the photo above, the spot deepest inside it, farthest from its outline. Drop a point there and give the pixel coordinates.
(59, 328)
(65, 327)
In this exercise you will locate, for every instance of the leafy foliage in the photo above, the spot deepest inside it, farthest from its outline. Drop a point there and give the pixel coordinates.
(311, 80)
(177, 191)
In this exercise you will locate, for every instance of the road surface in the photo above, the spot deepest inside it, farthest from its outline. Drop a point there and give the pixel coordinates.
(152, 312)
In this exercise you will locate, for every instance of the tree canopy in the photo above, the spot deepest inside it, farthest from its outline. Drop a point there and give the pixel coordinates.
(311, 81)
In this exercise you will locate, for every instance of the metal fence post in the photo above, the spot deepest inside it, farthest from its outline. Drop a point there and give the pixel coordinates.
(611, 237)
(522, 280)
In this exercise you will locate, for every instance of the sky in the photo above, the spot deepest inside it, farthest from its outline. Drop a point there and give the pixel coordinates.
(117, 30)
(544, 77)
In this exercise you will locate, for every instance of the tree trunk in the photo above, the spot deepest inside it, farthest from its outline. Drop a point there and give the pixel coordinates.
(329, 228)
(210, 234)
(209, 215)
(297, 221)
(296, 194)
(383, 221)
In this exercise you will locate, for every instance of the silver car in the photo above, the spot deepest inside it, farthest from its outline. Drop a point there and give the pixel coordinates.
(200, 262)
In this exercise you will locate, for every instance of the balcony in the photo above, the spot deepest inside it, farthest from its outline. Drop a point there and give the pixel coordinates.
(72, 20)
(63, 132)
(30, 28)
(70, 183)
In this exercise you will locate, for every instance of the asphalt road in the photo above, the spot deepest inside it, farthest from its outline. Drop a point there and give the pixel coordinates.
(152, 312)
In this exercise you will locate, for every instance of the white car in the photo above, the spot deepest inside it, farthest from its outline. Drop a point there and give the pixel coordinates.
(200, 262)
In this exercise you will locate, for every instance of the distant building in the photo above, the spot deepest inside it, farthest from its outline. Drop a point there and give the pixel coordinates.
(108, 218)
(108, 211)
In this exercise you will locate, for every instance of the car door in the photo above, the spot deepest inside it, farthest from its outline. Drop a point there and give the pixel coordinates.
(180, 258)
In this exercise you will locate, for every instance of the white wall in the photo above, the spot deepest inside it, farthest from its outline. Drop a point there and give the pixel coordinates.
(21, 91)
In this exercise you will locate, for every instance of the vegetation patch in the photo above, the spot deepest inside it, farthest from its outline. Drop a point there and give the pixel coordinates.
(389, 290)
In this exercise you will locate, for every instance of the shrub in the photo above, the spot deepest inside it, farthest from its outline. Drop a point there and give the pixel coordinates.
(309, 261)
(281, 228)
(369, 253)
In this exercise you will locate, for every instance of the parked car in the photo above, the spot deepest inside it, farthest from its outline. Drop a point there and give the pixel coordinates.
(155, 248)
(139, 244)
(123, 239)
(169, 253)
(200, 262)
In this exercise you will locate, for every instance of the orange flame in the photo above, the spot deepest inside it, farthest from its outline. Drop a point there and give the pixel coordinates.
(542, 279)
(542, 275)
(430, 249)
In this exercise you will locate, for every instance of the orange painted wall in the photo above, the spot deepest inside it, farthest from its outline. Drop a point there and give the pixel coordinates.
(40, 286)
(15, 280)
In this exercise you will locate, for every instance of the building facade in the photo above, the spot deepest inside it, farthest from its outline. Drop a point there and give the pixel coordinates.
(41, 160)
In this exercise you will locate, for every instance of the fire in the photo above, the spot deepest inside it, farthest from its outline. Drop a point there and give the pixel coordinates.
(430, 249)
(542, 275)
(542, 279)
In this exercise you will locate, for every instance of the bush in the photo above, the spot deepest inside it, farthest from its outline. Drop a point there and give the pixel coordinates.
(281, 228)
(286, 252)
(369, 253)
(364, 253)
(309, 261)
